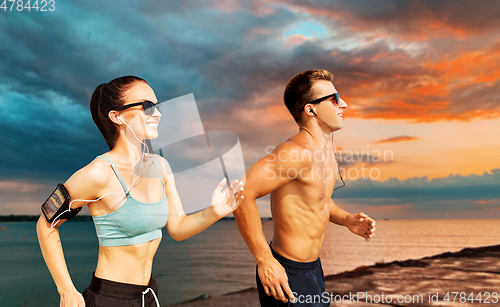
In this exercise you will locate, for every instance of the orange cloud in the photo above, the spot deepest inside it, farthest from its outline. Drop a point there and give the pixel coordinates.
(487, 201)
(296, 39)
(460, 86)
(356, 60)
(396, 139)
(431, 65)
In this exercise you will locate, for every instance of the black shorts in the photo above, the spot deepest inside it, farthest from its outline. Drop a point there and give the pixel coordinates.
(306, 280)
(107, 293)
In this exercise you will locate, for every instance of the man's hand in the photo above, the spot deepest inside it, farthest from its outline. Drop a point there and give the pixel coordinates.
(361, 224)
(274, 279)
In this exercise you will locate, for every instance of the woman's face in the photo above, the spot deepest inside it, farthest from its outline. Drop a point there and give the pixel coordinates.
(144, 126)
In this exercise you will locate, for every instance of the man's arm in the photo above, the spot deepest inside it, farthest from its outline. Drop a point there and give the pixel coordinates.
(265, 176)
(359, 223)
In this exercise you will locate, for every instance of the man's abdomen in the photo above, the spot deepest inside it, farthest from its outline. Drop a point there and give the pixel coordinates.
(299, 231)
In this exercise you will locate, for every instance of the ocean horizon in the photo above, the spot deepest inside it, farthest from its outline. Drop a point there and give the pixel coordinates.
(217, 261)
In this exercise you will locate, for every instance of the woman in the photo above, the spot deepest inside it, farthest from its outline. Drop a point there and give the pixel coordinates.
(140, 195)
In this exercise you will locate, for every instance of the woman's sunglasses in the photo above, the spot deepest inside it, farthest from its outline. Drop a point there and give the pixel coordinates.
(149, 107)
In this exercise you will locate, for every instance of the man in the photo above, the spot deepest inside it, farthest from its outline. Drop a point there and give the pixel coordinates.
(300, 174)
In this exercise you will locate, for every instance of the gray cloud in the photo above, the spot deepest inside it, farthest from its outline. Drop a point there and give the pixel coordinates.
(422, 191)
(463, 197)
(409, 18)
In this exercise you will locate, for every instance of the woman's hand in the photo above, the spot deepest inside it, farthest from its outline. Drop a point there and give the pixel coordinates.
(225, 202)
(72, 298)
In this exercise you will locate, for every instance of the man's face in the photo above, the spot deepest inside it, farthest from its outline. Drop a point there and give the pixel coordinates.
(328, 110)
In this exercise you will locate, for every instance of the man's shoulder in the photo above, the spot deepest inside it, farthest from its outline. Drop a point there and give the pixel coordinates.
(291, 144)
(294, 151)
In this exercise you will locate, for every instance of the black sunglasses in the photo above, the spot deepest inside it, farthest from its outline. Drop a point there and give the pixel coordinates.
(337, 99)
(149, 107)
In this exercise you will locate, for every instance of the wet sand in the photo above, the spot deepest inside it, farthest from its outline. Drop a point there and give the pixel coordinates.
(422, 282)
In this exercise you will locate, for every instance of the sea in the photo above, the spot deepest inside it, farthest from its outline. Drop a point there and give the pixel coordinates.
(217, 261)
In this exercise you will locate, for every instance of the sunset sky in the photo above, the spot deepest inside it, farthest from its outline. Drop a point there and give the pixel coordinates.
(421, 80)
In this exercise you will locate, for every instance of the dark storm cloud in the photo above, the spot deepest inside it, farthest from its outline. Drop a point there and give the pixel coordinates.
(43, 54)
(410, 18)
(42, 141)
(60, 58)
(228, 54)
(50, 66)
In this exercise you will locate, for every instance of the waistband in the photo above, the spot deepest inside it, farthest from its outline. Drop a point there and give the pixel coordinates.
(295, 264)
(119, 289)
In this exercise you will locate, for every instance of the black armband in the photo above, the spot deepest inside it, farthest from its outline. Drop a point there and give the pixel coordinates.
(57, 205)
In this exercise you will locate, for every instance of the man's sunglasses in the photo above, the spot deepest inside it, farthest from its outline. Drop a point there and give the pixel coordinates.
(337, 99)
(337, 102)
(149, 107)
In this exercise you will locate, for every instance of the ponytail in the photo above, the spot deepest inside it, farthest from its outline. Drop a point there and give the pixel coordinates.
(106, 97)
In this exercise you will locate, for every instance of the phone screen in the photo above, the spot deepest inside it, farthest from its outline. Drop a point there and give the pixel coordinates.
(53, 203)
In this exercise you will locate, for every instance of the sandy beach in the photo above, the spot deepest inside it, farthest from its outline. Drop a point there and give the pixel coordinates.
(469, 277)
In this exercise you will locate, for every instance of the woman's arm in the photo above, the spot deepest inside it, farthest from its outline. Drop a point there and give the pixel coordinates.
(181, 226)
(79, 186)
(52, 252)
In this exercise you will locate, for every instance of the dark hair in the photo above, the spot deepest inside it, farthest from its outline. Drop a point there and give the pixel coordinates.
(106, 97)
(298, 90)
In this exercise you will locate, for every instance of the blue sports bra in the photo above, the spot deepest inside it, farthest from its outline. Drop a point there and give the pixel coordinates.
(134, 222)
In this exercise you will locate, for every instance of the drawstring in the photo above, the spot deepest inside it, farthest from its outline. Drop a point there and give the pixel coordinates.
(156, 299)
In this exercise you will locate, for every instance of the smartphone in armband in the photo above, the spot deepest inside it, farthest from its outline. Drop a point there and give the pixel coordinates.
(57, 203)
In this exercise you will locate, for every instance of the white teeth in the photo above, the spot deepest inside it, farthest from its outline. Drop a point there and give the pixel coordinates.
(152, 124)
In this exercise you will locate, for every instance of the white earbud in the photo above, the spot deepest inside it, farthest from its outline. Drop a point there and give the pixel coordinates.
(121, 120)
